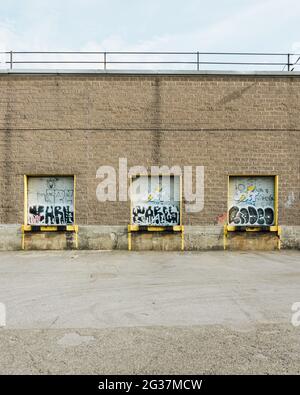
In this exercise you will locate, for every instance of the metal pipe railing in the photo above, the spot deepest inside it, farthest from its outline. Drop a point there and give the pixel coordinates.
(106, 58)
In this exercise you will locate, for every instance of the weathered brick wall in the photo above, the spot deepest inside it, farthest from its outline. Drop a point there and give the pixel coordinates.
(72, 124)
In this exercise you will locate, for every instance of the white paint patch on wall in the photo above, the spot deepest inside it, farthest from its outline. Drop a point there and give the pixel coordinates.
(290, 200)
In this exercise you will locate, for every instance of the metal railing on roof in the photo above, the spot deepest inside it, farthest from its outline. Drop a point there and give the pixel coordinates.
(157, 60)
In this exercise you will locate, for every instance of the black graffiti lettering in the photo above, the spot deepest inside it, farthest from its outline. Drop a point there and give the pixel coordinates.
(49, 220)
(251, 216)
(59, 215)
(156, 215)
(36, 213)
(157, 219)
(269, 216)
(149, 213)
(260, 213)
(157, 210)
(244, 215)
(138, 212)
(233, 215)
(51, 215)
(174, 215)
(68, 215)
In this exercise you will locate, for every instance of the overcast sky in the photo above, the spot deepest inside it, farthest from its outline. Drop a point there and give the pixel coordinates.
(228, 25)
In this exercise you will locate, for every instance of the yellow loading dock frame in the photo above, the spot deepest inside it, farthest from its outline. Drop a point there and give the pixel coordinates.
(274, 228)
(48, 228)
(138, 228)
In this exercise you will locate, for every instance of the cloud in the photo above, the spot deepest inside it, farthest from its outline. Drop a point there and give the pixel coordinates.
(236, 32)
(259, 27)
(269, 25)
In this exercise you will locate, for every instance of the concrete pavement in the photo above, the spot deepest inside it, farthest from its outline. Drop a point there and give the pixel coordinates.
(149, 312)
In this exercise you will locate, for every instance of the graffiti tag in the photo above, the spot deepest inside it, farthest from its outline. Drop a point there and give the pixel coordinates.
(251, 215)
(50, 215)
(164, 215)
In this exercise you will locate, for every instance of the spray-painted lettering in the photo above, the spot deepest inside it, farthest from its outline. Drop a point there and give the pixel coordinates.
(251, 216)
(164, 215)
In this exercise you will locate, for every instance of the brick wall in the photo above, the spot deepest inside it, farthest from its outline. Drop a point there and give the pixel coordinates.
(72, 124)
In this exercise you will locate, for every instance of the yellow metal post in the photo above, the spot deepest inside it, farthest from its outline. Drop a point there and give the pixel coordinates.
(25, 210)
(225, 230)
(182, 238)
(74, 198)
(25, 200)
(74, 220)
(276, 200)
(279, 238)
(129, 238)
